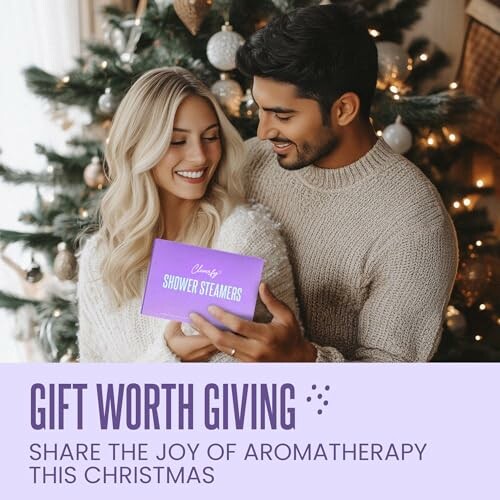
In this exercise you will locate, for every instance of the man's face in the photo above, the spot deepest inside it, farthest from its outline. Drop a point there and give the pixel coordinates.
(293, 124)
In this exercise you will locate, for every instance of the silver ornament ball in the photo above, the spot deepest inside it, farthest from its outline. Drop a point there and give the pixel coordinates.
(107, 103)
(222, 48)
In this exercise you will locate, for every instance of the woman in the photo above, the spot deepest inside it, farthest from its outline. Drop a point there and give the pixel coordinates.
(174, 161)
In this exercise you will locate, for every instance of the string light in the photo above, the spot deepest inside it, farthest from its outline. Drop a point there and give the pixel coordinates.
(56, 313)
(394, 89)
(453, 85)
(84, 213)
(409, 66)
(431, 141)
(396, 97)
(374, 33)
(480, 183)
(379, 133)
(479, 243)
(466, 202)
(453, 137)
(50, 169)
(482, 307)
(456, 204)
(104, 64)
(423, 57)
(478, 338)
(65, 79)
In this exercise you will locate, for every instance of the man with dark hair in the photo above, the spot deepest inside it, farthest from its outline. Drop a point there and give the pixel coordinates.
(373, 248)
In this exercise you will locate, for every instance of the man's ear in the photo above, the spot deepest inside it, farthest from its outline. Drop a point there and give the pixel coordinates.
(345, 109)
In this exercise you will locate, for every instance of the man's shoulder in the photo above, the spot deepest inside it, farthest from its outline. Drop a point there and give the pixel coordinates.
(411, 199)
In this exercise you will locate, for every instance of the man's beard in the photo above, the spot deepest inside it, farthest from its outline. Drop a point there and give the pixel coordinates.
(310, 154)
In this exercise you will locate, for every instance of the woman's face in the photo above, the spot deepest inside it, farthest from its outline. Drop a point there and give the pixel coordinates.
(194, 152)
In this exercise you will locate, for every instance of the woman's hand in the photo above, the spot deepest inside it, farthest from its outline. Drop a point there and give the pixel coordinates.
(188, 348)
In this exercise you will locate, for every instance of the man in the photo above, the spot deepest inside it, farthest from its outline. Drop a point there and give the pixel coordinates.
(373, 249)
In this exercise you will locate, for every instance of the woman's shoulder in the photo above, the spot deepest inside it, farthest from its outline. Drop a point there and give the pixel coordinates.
(251, 216)
(90, 256)
(246, 229)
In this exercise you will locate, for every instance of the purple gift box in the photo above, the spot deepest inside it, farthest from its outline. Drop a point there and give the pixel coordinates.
(184, 278)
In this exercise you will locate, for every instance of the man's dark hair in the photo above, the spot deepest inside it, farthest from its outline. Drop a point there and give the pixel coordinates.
(324, 50)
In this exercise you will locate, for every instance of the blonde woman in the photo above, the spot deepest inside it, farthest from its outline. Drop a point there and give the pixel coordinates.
(174, 161)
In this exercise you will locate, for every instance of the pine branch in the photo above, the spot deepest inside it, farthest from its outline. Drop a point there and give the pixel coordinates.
(20, 177)
(76, 91)
(13, 302)
(435, 110)
(392, 22)
(45, 241)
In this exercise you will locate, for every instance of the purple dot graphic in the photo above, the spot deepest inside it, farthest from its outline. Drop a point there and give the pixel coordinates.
(320, 412)
(314, 387)
(325, 403)
(327, 387)
(308, 399)
(320, 396)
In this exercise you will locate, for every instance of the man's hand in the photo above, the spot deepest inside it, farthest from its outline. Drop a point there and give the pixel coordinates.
(279, 340)
(188, 348)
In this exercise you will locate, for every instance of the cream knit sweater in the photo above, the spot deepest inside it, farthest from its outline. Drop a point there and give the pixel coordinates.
(107, 334)
(373, 252)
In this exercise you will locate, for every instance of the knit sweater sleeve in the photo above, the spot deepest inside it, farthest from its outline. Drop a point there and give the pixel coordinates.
(402, 318)
(412, 282)
(104, 330)
(249, 230)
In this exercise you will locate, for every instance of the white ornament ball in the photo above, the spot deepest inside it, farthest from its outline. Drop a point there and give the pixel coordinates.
(117, 40)
(398, 137)
(229, 94)
(222, 48)
(107, 102)
(393, 63)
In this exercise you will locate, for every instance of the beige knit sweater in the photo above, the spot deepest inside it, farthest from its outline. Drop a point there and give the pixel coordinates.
(373, 251)
(107, 334)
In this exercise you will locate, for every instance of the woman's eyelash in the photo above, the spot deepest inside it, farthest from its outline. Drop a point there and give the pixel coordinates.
(209, 139)
(283, 119)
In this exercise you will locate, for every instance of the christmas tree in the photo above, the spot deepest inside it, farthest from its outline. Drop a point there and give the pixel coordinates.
(203, 36)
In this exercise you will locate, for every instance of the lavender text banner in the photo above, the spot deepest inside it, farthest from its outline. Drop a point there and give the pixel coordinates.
(351, 431)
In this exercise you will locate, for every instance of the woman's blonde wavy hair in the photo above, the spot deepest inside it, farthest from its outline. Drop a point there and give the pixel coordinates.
(130, 215)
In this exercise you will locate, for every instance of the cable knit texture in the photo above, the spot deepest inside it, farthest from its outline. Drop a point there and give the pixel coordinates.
(107, 334)
(373, 251)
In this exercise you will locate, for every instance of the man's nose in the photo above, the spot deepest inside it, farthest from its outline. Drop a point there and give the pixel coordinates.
(265, 130)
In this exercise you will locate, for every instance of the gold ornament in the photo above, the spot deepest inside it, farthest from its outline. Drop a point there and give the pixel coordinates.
(192, 13)
(93, 175)
(64, 263)
(229, 94)
(473, 277)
